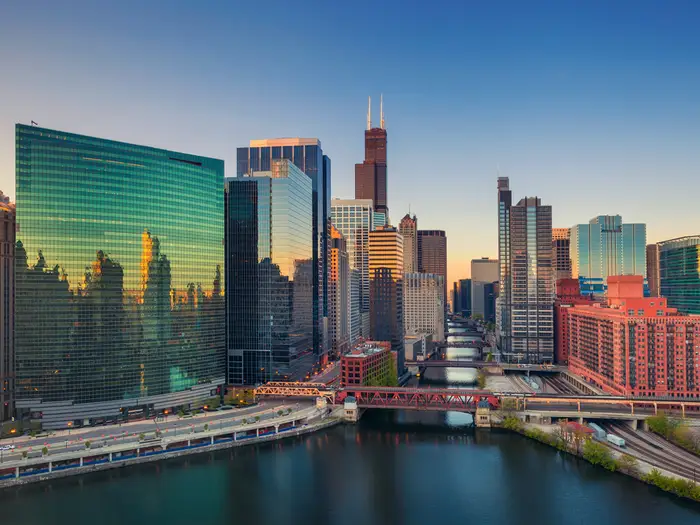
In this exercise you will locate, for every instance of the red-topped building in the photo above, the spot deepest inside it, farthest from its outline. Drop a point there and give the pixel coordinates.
(368, 363)
(568, 294)
(635, 345)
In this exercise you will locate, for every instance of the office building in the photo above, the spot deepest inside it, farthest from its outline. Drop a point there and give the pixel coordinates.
(7, 308)
(653, 270)
(408, 228)
(484, 272)
(339, 299)
(269, 283)
(503, 303)
(490, 295)
(568, 294)
(679, 273)
(604, 247)
(636, 346)
(561, 258)
(354, 219)
(418, 347)
(386, 289)
(424, 305)
(432, 254)
(371, 175)
(307, 155)
(371, 363)
(119, 307)
(464, 298)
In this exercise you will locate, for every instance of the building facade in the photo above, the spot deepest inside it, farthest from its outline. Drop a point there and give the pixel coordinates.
(432, 254)
(368, 364)
(7, 308)
(636, 346)
(464, 297)
(604, 247)
(484, 272)
(270, 287)
(561, 258)
(568, 294)
(679, 273)
(386, 289)
(653, 278)
(424, 305)
(504, 302)
(339, 298)
(408, 228)
(118, 262)
(354, 219)
(371, 174)
(490, 296)
(307, 155)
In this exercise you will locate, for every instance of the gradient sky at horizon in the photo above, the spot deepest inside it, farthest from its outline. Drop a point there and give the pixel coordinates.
(593, 106)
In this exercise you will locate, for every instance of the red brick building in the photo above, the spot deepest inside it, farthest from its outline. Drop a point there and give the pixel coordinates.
(568, 294)
(635, 345)
(368, 362)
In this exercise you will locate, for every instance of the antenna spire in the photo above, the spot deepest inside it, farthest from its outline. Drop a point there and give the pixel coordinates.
(369, 113)
(381, 111)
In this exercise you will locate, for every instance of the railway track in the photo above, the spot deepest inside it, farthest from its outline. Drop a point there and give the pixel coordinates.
(560, 387)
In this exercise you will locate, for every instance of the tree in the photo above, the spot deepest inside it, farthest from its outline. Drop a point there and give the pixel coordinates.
(245, 421)
(25, 454)
(598, 454)
(280, 413)
(512, 423)
(206, 427)
(87, 445)
(481, 380)
(45, 451)
(257, 418)
(628, 464)
(489, 357)
(142, 436)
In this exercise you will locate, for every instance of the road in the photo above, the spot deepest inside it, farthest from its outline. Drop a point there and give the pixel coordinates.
(331, 373)
(129, 432)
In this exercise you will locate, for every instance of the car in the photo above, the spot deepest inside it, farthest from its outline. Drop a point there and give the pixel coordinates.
(7, 447)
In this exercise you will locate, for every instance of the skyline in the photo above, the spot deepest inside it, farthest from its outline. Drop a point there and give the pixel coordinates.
(580, 107)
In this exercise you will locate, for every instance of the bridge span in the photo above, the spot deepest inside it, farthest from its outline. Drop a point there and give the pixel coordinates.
(447, 363)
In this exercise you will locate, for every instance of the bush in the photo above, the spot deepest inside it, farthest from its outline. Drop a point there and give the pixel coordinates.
(206, 427)
(680, 487)
(481, 380)
(628, 464)
(280, 413)
(245, 421)
(45, 451)
(512, 423)
(87, 445)
(142, 436)
(597, 454)
(257, 418)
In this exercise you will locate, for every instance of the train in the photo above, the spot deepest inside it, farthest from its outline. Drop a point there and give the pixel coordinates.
(616, 440)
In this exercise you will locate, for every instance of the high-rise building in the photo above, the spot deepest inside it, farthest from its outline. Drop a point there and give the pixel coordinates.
(568, 294)
(526, 290)
(464, 297)
(504, 303)
(307, 155)
(269, 286)
(561, 259)
(679, 273)
(484, 272)
(371, 175)
(7, 308)
(354, 219)
(490, 296)
(653, 270)
(423, 305)
(386, 289)
(408, 228)
(119, 306)
(339, 299)
(432, 254)
(637, 346)
(605, 247)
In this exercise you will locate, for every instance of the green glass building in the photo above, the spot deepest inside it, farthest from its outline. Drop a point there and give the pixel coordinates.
(119, 288)
(679, 273)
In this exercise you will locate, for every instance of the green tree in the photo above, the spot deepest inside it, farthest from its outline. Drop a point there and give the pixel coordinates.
(489, 357)
(512, 423)
(45, 451)
(481, 380)
(142, 436)
(25, 454)
(206, 427)
(628, 464)
(598, 454)
(87, 445)
(257, 418)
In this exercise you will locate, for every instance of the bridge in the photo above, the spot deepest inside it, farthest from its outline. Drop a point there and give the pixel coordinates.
(445, 363)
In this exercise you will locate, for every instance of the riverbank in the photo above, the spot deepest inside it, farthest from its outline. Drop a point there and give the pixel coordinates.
(59, 466)
(585, 447)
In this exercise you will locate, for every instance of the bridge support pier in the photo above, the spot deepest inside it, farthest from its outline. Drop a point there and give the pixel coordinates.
(633, 424)
(580, 421)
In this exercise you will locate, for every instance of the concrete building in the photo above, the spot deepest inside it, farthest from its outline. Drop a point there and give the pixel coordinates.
(568, 294)
(462, 304)
(7, 308)
(339, 298)
(490, 296)
(408, 228)
(371, 174)
(561, 258)
(484, 272)
(355, 219)
(636, 345)
(504, 302)
(424, 304)
(604, 247)
(679, 273)
(653, 278)
(369, 363)
(418, 347)
(386, 289)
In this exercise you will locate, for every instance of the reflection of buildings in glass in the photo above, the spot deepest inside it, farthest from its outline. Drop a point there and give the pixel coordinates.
(7, 307)
(269, 249)
(679, 273)
(108, 337)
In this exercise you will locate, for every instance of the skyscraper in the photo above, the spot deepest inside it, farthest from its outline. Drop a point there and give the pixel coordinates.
(423, 304)
(269, 285)
(307, 155)
(371, 175)
(408, 228)
(679, 272)
(606, 247)
(503, 302)
(464, 288)
(386, 289)
(118, 277)
(432, 254)
(561, 259)
(354, 219)
(653, 270)
(7, 308)
(339, 299)
(484, 272)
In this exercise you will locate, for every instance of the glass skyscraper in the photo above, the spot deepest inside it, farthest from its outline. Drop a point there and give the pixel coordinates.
(269, 267)
(119, 305)
(679, 273)
(307, 155)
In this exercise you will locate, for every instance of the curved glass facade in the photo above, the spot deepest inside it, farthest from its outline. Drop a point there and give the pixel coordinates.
(119, 272)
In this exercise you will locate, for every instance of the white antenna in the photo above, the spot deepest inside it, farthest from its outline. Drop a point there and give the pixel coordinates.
(369, 112)
(381, 111)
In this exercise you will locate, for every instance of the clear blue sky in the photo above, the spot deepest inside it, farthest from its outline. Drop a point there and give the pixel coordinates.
(594, 106)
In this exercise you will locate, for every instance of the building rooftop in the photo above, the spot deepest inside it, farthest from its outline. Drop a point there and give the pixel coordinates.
(285, 141)
(368, 348)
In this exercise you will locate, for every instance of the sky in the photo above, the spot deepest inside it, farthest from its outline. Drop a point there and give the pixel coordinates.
(593, 106)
